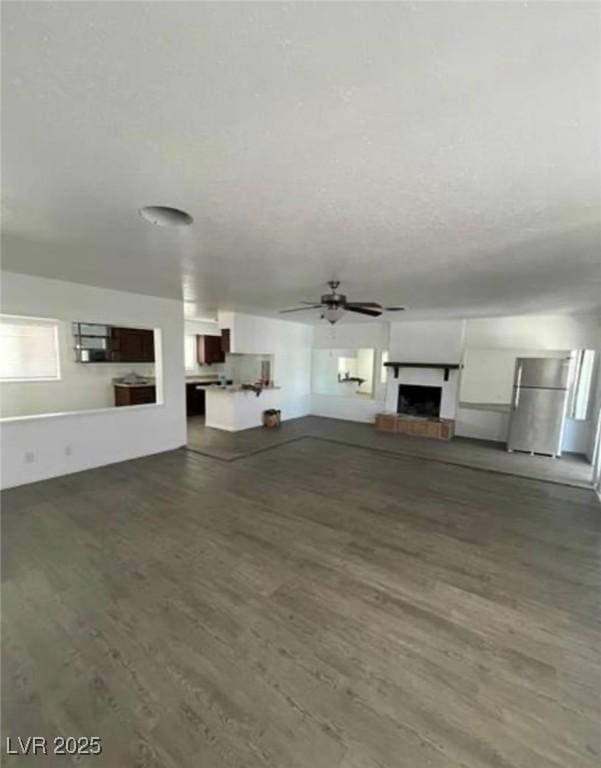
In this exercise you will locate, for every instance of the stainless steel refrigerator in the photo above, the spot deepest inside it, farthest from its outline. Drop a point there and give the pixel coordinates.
(538, 410)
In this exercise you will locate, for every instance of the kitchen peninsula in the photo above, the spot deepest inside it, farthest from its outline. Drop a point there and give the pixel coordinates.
(231, 391)
(196, 386)
(233, 408)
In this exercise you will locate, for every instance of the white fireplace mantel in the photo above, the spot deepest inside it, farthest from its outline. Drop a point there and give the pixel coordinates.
(445, 366)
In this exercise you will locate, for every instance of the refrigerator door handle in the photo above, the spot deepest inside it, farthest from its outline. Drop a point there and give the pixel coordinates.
(516, 387)
(516, 398)
(518, 375)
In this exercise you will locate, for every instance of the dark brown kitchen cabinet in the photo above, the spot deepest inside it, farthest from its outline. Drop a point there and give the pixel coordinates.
(213, 353)
(195, 400)
(132, 345)
(213, 349)
(225, 340)
(135, 395)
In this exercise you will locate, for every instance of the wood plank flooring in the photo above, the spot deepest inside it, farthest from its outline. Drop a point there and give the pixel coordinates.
(314, 606)
(571, 469)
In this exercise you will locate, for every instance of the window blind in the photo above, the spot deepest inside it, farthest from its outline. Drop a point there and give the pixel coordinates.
(28, 349)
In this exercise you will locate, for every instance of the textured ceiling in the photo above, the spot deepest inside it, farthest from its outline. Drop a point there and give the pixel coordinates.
(445, 156)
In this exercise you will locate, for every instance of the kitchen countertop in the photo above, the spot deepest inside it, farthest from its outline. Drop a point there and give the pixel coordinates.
(233, 389)
(201, 379)
(204, 384)
(496, 407)
(145, 383)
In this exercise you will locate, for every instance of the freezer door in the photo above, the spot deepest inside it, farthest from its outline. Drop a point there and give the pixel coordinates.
(537, 420)
(551, 372)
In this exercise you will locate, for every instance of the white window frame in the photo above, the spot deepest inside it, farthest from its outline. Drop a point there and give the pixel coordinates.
(190, 339)
(384, 355)
(40, 321)
(579, 402)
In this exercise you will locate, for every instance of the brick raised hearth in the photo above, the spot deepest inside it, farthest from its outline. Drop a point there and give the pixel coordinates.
(439, 429)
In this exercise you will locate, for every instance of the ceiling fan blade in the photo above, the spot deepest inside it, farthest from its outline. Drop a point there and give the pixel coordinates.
(362, 311)
(373, 304)
(394, 309)
(300, 309)
(312, 303)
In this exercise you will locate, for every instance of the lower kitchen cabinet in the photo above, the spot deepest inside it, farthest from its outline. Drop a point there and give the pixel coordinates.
(195, 400)
(136, 395)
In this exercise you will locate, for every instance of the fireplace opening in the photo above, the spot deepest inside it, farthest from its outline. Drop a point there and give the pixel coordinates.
(416, 400)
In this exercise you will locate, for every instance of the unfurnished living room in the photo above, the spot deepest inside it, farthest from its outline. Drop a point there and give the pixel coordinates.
(300, 384)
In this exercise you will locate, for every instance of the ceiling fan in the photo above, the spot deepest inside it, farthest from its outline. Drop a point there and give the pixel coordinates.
(334, 305)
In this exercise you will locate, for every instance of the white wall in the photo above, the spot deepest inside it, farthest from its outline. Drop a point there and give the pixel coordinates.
(409, 341)
(347, 408)
(427, 341)
(595, 413)
(82, 386)
(576, 435)
(488, 374)
(482, 425)
(246, 369)
(534, 332)
(430, 341)
(290, 345)
(351, 336)
(324, 372)
(68, 443)
(551, 335)
(202, 327)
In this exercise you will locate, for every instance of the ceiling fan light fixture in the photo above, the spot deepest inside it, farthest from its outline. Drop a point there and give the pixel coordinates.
(332, 306)
(333, 314)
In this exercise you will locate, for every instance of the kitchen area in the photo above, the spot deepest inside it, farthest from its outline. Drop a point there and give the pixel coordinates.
(225, 390)
(96, 343)
(64, 366)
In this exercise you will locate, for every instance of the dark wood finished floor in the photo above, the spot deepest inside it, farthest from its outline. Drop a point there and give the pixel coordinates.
(571, 469)
(312, 606)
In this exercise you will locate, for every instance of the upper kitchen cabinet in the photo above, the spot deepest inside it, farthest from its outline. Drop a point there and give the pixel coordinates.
(95, 343)
(213, 349)
(225, 340)
(132, 345)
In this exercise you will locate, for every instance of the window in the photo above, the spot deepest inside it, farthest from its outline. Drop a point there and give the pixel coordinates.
(28, 349)
(583, 362)
(190, 352)
(383, 369)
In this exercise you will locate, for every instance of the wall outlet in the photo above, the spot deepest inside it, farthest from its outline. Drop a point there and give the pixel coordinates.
(29, 457)
(68, 450)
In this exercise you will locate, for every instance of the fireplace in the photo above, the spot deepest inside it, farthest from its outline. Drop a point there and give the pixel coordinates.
(421, 401)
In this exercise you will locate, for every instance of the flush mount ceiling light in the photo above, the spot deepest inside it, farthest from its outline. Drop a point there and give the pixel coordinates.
(164, 216)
